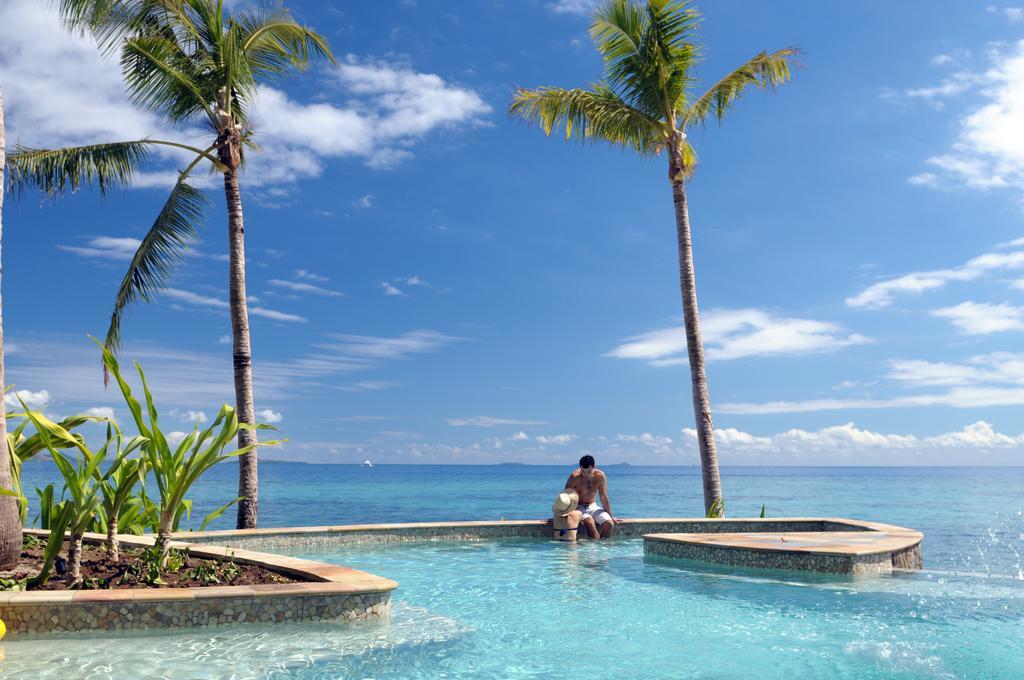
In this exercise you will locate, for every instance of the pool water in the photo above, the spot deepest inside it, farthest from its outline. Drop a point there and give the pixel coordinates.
(539, 609)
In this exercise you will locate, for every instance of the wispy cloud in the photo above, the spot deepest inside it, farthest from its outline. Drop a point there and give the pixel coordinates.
(490, 421)
(738, 333)
(391, 290)
(982, 318)
(106, 248)
(556, 439)
(305, 275)
(195, 299)
(581, 7)
(399, 347)
(366, 386)
(882, 293)
(304, 287)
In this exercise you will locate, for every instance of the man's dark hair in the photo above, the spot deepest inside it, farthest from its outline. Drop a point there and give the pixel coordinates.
(587, 461)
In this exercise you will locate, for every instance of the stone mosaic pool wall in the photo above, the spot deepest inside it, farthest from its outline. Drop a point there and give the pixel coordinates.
(325, 593)
(316, 538)
(759, 559)
(86, 612)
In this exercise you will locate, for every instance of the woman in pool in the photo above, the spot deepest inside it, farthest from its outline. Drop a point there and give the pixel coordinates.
(566, 518)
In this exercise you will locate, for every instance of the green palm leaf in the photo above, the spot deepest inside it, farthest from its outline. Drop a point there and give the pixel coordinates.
(588, 116)
(274, 43)
(765, 71)
(55, 171)
(166, 243)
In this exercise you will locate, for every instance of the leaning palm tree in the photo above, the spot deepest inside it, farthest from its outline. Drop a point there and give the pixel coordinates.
(189, 62)
(646, 102)
(10, 514)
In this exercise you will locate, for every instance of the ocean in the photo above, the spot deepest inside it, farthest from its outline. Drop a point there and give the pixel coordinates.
(972, 518)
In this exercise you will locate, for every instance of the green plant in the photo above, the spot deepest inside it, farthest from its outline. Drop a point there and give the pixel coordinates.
(59, 516)
(717, 510)
(21, 448)
(117, 484)
(176, 469)
(82, 481)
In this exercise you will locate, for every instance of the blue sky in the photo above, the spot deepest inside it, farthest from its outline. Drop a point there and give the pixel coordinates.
(434, 282)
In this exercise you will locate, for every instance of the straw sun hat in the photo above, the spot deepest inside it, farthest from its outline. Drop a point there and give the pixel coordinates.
(565, 503)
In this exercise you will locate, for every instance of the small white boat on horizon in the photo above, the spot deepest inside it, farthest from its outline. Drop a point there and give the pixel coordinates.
(367, 463)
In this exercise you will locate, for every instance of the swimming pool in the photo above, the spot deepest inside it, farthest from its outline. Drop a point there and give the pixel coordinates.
(532, 608)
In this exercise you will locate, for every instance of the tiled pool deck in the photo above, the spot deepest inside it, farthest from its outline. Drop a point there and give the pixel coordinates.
(340, 594)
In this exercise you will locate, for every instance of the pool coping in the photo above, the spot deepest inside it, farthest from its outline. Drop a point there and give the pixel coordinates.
(823, 544)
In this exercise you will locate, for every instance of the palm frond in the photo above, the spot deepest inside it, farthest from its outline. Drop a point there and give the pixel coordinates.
(166, 243)
(588, 116)
(646, 51)
(55, 171)
(164, 79)
(274, 43)
(765, 71)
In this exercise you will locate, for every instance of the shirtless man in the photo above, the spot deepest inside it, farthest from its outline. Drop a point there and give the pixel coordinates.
(588, 482)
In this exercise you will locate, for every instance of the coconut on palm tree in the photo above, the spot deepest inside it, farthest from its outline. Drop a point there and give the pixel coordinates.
(646, 102)
(191, 63)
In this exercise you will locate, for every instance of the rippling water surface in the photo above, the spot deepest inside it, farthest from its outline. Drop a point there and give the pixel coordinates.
(540, 609)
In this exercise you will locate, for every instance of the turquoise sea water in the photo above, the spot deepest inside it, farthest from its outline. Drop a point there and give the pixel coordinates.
(542, 609)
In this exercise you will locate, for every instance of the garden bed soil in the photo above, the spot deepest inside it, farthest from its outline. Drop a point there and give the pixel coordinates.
(99, 573)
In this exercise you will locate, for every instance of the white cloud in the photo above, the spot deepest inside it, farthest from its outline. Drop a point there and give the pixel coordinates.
(268, 416)
(882, 293)
(275, 315)
(198, 300)
(190, 416)
(100, 412)
(490, 421)
(44, 68)
(302, 287)
(555, 438)
(400, 347)
(305, 275)
(106, 248)
(174, 438)
(734, 334)
(519, 437)
(581, 7)
(224, 340)
(33, 400)
(383, 109)
(363, 202)
(391, 290)
(366, 386)
(986, 380)
(394, 108)
(647, 439)
(989, 149)
(982, 318)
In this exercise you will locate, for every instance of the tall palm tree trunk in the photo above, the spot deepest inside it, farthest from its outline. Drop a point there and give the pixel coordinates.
(10, 519)
(248, 480)
(695, 347)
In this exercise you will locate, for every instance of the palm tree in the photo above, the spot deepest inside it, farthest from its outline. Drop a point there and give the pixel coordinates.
(10, 517)
(646, 102)
(188, 61)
